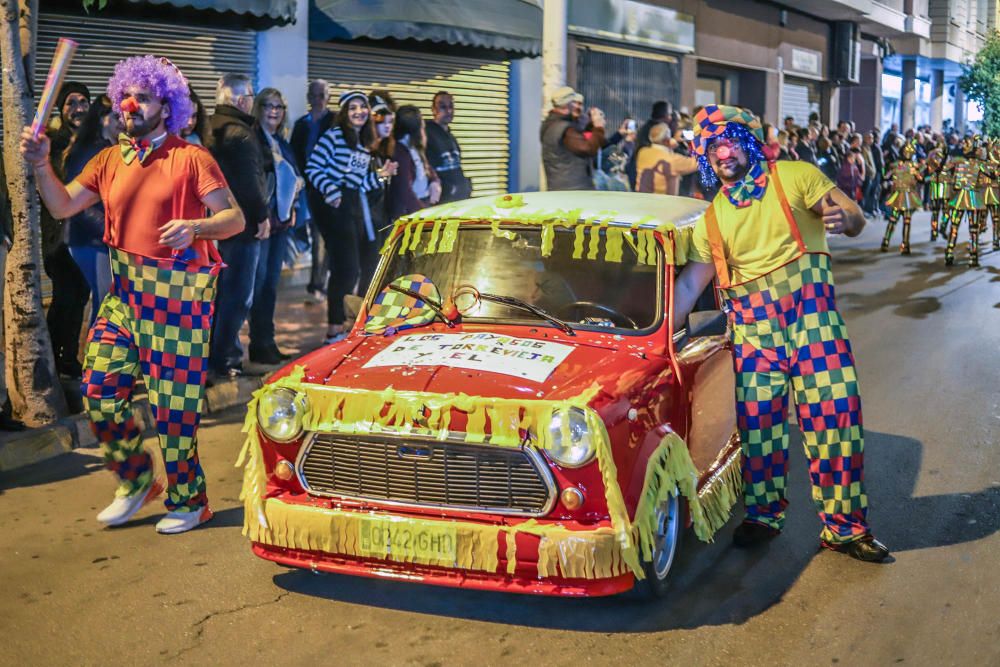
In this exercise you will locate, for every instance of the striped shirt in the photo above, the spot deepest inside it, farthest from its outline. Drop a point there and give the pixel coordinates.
(334, 166)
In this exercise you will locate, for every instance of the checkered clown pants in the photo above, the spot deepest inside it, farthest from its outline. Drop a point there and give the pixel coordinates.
(156, 321)
(786, 328)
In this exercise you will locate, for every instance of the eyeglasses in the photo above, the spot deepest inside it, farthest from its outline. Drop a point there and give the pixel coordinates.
(270, 106)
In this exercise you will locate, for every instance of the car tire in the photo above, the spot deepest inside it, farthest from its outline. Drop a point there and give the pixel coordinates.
(667, 541)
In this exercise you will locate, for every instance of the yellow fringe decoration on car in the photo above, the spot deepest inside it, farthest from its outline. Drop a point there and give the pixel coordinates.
(600, 552)
(251, 456)
(587, 233)
(720, 493)
(341, 532)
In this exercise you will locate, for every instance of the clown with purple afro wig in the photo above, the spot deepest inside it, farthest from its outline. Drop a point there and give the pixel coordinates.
(159, 77)
(156, 189)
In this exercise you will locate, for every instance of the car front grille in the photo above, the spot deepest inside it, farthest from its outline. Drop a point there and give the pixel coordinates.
(411, 471)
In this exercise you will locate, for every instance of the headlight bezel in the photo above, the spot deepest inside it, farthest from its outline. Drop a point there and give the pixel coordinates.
(296, 401)
(578, 418)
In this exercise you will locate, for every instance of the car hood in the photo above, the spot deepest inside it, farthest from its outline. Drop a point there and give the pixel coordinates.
(610, 361)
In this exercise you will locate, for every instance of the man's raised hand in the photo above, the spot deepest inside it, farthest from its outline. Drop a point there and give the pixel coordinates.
(34, 149)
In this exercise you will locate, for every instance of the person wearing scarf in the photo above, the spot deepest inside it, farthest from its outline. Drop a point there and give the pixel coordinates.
(763, 237)
(155, 322)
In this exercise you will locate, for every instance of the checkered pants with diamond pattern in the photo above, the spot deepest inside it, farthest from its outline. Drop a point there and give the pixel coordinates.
(156, 322)
(786, 329)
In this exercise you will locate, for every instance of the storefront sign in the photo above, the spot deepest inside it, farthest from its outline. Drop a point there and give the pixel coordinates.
(520, 357)
(802, 61)
(634, 22)
(805, 61)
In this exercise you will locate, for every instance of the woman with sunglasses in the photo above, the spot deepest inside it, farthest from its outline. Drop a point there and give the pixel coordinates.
(284, 186)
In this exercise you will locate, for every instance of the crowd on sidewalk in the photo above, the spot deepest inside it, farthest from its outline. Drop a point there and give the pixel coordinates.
(657, 156)
(325, 187)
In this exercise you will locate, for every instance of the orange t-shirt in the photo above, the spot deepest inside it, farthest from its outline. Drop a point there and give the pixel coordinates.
(139, 198)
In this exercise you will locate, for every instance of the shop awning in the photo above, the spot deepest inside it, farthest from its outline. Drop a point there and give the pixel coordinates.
(508, 25)
(278, 11)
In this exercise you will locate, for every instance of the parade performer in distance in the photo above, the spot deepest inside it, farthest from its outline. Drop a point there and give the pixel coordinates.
(991, 192)
(964, 173)
(934, 175)
(156, 321)
(904, 177)
(764, 238)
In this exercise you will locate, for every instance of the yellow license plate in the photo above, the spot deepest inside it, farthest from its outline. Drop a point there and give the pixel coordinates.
(403, 540)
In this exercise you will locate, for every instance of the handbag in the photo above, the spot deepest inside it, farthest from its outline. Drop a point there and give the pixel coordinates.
(287, 182)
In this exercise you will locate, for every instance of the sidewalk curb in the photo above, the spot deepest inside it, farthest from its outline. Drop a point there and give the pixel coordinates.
(38, 444)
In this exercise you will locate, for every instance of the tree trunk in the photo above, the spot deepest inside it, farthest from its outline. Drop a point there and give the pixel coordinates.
(35, 392)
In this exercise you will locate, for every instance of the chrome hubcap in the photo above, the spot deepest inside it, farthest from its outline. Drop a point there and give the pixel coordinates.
(665, 542)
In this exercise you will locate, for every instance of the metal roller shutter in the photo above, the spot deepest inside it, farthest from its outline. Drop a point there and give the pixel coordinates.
(202, 54)
(626, 83)
(798, 100)
(480, 89)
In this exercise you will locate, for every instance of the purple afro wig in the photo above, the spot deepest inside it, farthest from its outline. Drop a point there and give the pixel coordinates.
(160, 76)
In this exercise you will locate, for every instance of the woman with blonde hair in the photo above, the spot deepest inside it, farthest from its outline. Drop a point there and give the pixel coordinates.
(284, 185)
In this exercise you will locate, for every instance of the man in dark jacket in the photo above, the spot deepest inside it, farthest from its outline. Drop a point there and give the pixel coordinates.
(306, 132)
(69, 287)
(443, 151)
(567, 151)
(806, 148)
(235, 145)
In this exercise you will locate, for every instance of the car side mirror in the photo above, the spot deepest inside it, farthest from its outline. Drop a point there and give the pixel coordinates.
(707, 323)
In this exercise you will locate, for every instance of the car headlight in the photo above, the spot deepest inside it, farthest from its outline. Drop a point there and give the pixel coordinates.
(570, 442)
(279, 414)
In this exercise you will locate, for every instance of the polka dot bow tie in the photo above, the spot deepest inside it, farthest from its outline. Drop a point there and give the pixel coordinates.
(132, 149)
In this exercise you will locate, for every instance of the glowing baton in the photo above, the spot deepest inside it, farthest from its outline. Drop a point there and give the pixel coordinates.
(57, 72)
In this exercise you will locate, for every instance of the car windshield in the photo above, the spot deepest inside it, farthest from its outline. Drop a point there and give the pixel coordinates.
(577, 280)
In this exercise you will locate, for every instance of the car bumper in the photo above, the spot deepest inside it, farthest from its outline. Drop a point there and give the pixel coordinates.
(563, 559)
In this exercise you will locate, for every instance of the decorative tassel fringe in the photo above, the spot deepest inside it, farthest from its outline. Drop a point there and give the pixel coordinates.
(598, 553)
(588, 231)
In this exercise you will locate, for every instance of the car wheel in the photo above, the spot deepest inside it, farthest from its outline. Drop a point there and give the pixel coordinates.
(666, 542)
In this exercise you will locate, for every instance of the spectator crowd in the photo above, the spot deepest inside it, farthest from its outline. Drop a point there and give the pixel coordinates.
(326, 186)
(656, 157)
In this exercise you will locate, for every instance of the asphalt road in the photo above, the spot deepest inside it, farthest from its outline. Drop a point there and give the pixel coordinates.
(927, 341)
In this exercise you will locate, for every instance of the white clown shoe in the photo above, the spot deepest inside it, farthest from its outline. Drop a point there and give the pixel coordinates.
(181, 522)
(123, 508)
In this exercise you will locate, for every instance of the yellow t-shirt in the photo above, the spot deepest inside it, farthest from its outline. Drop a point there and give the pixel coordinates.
(757, 238)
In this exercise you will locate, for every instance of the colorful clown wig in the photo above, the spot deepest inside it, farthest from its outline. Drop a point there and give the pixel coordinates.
(748, 142)
(159, 76)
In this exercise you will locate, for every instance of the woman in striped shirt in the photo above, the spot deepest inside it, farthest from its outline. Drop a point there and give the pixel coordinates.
(340, 168)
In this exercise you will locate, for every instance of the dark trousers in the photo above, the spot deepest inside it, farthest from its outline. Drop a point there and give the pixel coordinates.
(69, 299)
(273, 251)
(353, 257)
(232, 302)
(319, 274)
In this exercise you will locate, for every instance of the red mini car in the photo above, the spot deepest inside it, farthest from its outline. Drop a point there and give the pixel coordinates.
(512, 410)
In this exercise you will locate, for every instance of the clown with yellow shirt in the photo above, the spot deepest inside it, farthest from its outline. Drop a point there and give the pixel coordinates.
(764, 239)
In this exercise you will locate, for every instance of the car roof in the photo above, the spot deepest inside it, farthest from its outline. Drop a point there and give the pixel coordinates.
(626, 208)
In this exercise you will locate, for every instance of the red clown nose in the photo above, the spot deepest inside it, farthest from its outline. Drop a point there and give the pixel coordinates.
(129, 105)
(724, 152)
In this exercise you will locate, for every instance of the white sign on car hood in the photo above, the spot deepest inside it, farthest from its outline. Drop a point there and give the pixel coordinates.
(520, 357)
